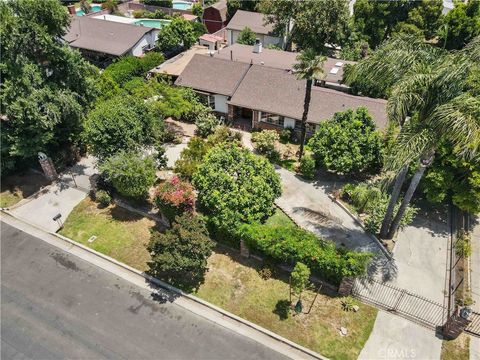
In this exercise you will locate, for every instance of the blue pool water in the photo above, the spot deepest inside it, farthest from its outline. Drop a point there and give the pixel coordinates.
(94, 8)
(182, 5)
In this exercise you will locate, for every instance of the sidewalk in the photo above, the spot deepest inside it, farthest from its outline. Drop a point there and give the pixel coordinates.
(186, 301)
(58, 198)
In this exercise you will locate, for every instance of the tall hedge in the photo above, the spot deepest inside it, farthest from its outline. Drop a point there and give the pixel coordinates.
(291, 244)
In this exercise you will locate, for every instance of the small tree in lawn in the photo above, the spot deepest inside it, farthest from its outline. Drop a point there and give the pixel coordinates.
(309, 67)
(180, 255)
(246, 36)
(206, 124)
(264, 141)
(299, 279)
(130, 174)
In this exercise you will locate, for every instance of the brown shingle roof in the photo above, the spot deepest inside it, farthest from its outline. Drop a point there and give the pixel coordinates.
(104, 36)
(212, 75)
(253, 20)
(221, 6)
(278, 91)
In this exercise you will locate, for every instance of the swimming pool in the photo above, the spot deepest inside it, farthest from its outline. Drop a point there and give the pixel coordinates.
(154, 23)
(93, 8)
(181, 5)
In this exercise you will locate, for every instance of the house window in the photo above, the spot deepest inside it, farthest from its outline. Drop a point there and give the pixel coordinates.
(272, 119)
(207, 99)
(310, 128)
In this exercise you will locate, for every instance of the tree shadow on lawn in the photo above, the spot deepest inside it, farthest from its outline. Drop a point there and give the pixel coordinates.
(26, 183)
(120, 214)
(282, 309)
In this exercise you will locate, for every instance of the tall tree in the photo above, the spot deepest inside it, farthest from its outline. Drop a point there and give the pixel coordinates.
(461, 25)
(433, 103)
(320, 22)
(309, 67)
(46, 86)
(281, 14)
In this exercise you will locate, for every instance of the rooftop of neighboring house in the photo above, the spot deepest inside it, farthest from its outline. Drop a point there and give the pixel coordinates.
(102, 36)
(221, 6)
(177, 64)
(279, 92)
(253, 20)
(213, 75)
(272, 90)
(278, 59)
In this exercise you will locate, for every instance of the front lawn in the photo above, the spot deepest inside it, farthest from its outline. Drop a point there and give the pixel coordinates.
(458, 349)
(232, 283)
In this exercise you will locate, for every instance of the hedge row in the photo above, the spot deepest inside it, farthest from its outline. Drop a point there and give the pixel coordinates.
(289, 244)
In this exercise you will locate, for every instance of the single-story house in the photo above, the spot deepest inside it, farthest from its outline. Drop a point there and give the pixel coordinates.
(213, 42)
(102, 40)
(280, 59)
(256, 22)
(260, 96)
(215, 16)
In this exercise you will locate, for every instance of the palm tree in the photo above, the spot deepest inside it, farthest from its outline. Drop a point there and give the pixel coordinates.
(431, 103)
(308, 67)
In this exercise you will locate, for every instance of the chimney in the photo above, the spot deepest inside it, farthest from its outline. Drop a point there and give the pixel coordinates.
(257, 48)
(71, 10)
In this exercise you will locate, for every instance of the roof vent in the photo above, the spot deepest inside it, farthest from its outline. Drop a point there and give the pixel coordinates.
(339, 64)
(334, 70)
(257, 47)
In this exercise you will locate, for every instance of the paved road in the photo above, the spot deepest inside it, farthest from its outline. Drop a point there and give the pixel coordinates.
(55, 306)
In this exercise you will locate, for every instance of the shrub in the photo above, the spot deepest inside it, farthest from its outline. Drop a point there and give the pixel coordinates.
(121, 123)
(130, 174)
(376, 213)
(180, 255)
(291, 244)
(128, 67)
(235, 185)
(348, 143)
(362, 195)
(463, 245)
(287, 135)
(103, 198)
(264, 141)
(246, 36)
(348, 303)
(174, 197)
(300, 278)
(206, 124)
(307, 167)
(265, 273)
(161, 3)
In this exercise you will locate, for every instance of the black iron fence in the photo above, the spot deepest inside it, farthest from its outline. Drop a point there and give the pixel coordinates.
(401, 302)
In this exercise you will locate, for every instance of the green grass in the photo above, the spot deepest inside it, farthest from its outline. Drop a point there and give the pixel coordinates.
(289, 164)
(17, 187)
(458, 349)
(120, 233)
(232, 283)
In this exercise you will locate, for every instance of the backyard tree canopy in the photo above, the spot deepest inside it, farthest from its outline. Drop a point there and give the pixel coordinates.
(46, 86)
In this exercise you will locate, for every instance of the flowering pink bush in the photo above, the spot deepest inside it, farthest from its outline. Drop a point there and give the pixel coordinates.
(174, 197)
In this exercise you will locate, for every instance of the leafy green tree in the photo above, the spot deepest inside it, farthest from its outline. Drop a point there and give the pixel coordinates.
(197, 10)
(46, 86)
(431, 105)
(309, 67)
(281, 14)
(320, 22)
(234, 5)
(452, 178)
(246, 36)
(265, 141)
(130, 173)
(121, 123)
(461, 25)
(162, 3)
(236, 186)
(180, 33)
(348, 143)
(426, 15)
(180, 255)
(300, 278)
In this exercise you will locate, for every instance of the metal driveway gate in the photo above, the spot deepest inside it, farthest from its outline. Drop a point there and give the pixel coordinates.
(401, 302)
(474, 327)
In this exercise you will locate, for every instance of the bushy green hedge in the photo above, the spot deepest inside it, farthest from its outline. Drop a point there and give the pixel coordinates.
(292, 244)
(128, 67)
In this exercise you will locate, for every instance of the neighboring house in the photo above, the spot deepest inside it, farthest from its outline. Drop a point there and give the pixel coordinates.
(256, 22)
(279, 59)
(101, 40)
(215, 16)
(261, 96)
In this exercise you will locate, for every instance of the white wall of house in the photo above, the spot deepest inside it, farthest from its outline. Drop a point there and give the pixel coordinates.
(232, 37)
(147, 40)
(288, 122)
(221, 103)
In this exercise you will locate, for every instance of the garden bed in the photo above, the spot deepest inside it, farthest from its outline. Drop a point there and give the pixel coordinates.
(231, 282)
(20, 186)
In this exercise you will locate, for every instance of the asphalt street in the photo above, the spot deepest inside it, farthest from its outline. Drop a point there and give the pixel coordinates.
(57, 306)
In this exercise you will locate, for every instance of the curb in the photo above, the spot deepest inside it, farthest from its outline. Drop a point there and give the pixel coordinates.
(177, 291)
(386, 252)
